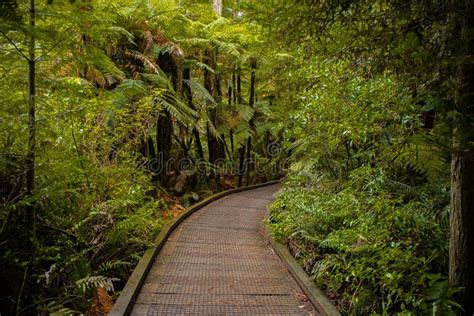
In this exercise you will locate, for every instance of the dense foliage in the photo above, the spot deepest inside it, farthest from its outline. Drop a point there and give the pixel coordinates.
(130, 98)
(365, 205)
(115, 114)
(368, 119)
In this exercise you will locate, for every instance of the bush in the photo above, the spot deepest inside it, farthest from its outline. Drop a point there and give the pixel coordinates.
(368, 250)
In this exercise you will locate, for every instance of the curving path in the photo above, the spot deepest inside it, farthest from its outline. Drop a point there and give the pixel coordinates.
(219, 262)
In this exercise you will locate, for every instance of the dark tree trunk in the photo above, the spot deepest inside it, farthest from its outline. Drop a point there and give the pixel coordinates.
(30, 155)
(164, 133)
(234, 90)
(164, 128)
(253, 65)
(231, 130)
(212, 84)
(239, 87)
(218, 97)
(248, 161)
(147, 148)
(241, 164)
(189, 96)
(461, 249)
(242, 147)
(231, 136)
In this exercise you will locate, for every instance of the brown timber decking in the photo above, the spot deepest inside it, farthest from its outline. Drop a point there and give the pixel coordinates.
(219, 262)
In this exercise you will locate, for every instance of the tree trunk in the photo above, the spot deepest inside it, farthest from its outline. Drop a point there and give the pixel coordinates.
(234, 90)
(241, 164)
(164, 132)
(189, 96)
(461, 248)
(164, 128)
(147, 148)
(248, 161)
(217, 6)
(218, 98)
(231, 130)
(212, 84)
(253, 65)
(30, 155)
(239, 87)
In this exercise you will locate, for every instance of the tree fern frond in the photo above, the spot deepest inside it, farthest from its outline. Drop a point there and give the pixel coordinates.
(123, 32)
(200, 65)
(182, 106)
(146, 60)
(195, 42)
(174, 106)
(226, 47)
(242, 133)
(131, 88)
(245, 112)
(96, 58)
(199, 90)
(218, 23)
(158, 79)
(402, 188)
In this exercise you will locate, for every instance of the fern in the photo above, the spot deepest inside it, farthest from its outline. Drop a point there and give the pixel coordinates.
(113, 265)
(199, 90)
(160, 80)
(200, 65)
(96, 281)
(148, 61)
(245, 112)
(402, 188)
(217, 24)
(132, 88)
(178, 109)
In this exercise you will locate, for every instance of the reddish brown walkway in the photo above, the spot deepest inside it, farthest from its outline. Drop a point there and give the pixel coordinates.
(218, 262)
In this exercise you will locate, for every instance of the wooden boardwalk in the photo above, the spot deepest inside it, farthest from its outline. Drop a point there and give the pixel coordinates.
(219, 262)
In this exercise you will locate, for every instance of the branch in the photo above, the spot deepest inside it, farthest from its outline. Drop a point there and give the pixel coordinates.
(14, 45)
(53, 46)
(9, 70)
(48, 51)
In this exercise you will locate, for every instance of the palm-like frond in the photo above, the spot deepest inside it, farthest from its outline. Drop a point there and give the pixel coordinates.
(132, 88)
(203, 66)
(158, 79)
(177, 108)
(200, 92)
(245, 112)
(147, 61)
(218, 23)
(242, 133)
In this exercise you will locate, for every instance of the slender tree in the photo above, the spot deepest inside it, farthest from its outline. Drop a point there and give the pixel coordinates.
(461, 256)
(242, 146)
(253, 66)
(189, 97)
(164, 128)
(217, 6)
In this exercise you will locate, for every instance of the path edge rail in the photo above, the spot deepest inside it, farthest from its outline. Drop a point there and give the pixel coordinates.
(124, 303)
(315, 295)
